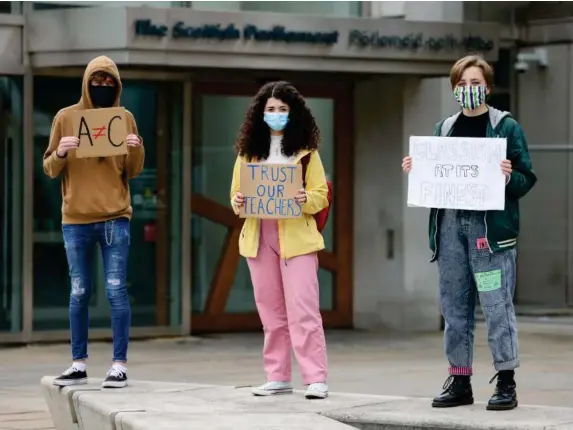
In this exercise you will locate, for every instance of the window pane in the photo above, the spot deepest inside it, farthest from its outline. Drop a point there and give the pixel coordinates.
(213, 160)
(323, 112)
(11, 170)
(156, 204)
(503, 69)
(51, 281)
(500, 101)
(154, 251)
(76, 4)
(337, 8)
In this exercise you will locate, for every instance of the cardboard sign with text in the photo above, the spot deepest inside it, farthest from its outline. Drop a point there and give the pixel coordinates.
(102, 132)
(457, 173)
(269, 190)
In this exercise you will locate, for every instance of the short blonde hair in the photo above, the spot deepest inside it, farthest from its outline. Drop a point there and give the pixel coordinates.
(468, 61)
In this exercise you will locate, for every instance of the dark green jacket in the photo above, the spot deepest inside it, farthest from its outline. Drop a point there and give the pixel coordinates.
(502, 227)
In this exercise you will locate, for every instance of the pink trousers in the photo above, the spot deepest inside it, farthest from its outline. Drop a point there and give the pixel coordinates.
(286, 294)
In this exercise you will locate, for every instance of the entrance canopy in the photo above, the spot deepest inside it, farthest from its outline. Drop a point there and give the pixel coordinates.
(177, 37)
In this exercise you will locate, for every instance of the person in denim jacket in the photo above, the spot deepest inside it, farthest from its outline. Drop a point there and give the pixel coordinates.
(475, 250)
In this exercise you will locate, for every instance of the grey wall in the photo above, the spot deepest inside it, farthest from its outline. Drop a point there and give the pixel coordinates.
(378, 204)
(426, 101)
(11, 58)
(70, 37)
(400, 291)
(440, 11)
(544, 248)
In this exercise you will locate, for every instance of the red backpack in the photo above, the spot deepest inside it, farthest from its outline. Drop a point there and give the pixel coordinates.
(321, 217)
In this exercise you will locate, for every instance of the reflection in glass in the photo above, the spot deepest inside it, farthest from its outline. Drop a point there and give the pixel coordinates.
(51, 281)
(75, 4)
(318, 8)
(154, 253)
(326, 285)
(11, 147)
(323, 111)
(213, 160)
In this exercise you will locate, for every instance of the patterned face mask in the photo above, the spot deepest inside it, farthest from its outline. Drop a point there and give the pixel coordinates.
(470, 97)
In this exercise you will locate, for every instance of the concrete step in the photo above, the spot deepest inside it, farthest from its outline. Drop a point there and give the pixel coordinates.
(148, 405)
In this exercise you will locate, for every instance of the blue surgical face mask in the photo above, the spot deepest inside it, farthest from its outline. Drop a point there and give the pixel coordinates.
(276, 120)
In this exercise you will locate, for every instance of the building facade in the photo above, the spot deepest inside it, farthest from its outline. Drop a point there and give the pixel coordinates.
(373, 73)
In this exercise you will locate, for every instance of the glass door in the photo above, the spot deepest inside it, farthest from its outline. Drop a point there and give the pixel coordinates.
(153, 269)
(222, 293)
(11, 174)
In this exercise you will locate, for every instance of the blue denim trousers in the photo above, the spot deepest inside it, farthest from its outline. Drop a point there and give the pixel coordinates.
(467, 270)
(80, 241)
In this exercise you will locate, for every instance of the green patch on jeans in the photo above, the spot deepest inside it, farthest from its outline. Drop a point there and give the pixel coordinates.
(488, 281)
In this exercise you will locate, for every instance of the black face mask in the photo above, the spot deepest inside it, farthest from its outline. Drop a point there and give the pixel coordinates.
(103, 97)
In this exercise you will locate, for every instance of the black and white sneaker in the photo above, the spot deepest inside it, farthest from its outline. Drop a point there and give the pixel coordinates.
(116, 378)
(72, 376)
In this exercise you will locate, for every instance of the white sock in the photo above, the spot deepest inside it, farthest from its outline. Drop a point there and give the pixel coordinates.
(119, 366)
(80, 366)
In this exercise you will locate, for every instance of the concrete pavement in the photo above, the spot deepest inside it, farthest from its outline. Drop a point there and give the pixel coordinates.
(154, 405)
(360, 362)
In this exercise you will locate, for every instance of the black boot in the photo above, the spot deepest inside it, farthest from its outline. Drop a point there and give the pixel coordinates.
(457, 392)
(504, 397)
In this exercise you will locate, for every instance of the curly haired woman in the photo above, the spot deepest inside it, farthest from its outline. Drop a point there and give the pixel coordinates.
(279, 128)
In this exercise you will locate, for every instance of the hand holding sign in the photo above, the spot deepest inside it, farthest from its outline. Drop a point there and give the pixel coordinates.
(133, 140)
(407, 164)
(506, 167)
(300, 196)
(239, 200)
(67, 143)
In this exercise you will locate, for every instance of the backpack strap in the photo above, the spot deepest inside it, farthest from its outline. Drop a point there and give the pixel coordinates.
(304, 161)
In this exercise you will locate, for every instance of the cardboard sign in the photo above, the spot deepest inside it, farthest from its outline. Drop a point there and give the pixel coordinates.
(457, 173)
(102, 132)
(269, 190)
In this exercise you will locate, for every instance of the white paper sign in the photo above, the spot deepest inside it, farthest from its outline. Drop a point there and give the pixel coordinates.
(457, 173)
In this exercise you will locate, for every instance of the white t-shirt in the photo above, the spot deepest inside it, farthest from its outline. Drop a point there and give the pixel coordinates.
(275, 154)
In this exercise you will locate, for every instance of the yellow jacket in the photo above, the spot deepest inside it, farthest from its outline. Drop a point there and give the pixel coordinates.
(297, 236)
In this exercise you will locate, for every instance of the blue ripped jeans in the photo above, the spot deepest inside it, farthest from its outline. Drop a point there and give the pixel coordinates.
(80, 241)
(466, 271)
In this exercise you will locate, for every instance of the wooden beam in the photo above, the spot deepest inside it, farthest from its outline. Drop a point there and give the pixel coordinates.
(222, 281)
(214, 211)
(344, 218)
(228, 323)
(327, 260)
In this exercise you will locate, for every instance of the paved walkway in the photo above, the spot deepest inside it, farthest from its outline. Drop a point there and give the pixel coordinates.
(360, 362)
(154, 405)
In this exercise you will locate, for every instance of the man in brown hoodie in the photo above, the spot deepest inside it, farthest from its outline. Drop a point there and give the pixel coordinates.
(96, 208)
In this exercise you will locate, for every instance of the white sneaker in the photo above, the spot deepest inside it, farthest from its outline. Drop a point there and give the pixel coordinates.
(116, 378)
(318, 390)
(72, 376)
(272, 388)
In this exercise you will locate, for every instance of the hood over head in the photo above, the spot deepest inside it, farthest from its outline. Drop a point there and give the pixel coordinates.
(99, 64)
